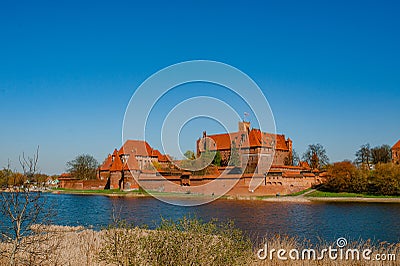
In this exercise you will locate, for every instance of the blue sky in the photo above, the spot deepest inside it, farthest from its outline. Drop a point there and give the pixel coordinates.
(329, 69)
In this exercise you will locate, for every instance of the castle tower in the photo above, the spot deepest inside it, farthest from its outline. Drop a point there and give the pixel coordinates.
(244, 126)
(289, 144)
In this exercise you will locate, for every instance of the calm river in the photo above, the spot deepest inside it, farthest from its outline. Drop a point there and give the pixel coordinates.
(326, 221)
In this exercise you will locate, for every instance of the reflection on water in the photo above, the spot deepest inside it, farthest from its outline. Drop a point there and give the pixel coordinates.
(327, 221)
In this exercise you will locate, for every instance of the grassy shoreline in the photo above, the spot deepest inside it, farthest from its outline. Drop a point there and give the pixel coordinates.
(300, 197)
(322, 194)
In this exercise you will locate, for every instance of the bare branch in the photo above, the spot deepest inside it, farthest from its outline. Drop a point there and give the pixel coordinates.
(21, 210)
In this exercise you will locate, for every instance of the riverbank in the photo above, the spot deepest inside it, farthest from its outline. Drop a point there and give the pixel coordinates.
(102, 192)
(306, 196)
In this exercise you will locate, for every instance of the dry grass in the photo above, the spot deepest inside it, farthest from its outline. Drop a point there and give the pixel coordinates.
(67, 246)
(185, 242)
(289, 243)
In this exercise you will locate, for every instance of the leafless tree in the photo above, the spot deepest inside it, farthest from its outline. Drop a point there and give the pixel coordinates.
(316, 156)
(25, 215)
(381, 154)
(364, 156)
(83, 167)
(292, 159)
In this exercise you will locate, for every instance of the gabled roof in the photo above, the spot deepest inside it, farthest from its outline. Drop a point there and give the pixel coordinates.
(156, 153)
(304, 164)
(106, 164)
(116, 164)
(131, 163)
(164, 158)
(136, 147)
(396, 146)
(255, 138)
(263, 139)
(161, 157)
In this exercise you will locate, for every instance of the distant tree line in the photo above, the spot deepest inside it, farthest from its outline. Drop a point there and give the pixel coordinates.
(344, 176)
(10, 178)
(82, 167)
(372, 172)
(29, 175)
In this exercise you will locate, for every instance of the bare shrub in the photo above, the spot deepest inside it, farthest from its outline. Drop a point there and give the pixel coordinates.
(122, 244)
(183, 242)
(21, 209)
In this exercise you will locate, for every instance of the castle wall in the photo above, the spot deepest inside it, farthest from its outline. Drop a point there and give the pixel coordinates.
(115, 179)
(273, 183)
(279, 158)
(83, 184)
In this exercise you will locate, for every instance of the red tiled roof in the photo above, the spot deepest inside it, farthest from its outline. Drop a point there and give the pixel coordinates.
(116, 164)
(106, 164)
(161, 157)
(130, 150)
(255, 138)
(308, 175)
(291, 174)
(396, 146)
(164, 158)
(283, 167)
(223, 141)
(136, 147)
(155, 153)
(131, 163)
(263, 139)
(304, 164)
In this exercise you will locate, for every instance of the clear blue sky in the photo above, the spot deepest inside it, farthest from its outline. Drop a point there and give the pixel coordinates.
(330, 69)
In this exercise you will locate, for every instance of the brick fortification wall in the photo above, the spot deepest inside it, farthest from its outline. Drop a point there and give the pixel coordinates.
(83, 184)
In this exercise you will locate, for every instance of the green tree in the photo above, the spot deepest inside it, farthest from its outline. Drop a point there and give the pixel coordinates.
(217, 159)
(5, 177)
(207, 158)
(189, 155)
(315, 156)
(234, 159)
(83, 167)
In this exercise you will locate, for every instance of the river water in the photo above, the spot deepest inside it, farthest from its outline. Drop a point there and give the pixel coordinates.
(313, 221)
